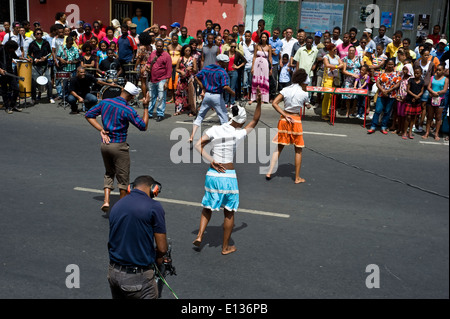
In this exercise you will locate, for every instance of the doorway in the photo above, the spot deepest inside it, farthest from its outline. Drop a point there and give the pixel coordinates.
(121, 9)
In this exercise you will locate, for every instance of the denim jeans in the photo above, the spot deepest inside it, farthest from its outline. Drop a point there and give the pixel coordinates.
(384, 105)
(158, 97)
(247, 79)
(89, 101)
(215, 101)
(361, 104)
(230, 99)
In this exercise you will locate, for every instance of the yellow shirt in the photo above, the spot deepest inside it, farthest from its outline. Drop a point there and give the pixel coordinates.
(367, 60)
(391, 49)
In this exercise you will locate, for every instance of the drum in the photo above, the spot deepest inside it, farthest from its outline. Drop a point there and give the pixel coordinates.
(62, 75)
(41, 82)
(91, 71)
(24, 70)
(109, 92)
(121, 81)
(111, 76)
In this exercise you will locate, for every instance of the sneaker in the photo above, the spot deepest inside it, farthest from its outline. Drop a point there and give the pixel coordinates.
(17, 109)
(358, 116)
(418, 130)
(371, 131)
(384, 132)
(9, 111)
(52, 101)
(159, 119)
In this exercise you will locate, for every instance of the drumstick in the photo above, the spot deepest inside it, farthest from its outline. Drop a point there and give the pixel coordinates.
(21, 78)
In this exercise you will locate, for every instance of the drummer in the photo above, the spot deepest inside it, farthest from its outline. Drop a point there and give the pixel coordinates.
(110, 63)
(80, 90)
(9, 87)
(38, 53)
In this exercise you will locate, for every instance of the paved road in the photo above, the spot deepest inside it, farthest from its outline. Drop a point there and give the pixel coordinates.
(367, 200)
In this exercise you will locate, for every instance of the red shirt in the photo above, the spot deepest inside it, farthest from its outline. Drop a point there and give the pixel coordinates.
(255, 37)
(435, 38)
(83, 38)
(100, 35)
(231, 63)
(161, 67)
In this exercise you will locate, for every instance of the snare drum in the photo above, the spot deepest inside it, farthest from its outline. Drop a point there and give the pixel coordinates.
(109, 92)
(62, 75)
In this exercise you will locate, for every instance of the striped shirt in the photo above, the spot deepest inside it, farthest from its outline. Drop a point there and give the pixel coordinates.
(213, 78)
(116, 116)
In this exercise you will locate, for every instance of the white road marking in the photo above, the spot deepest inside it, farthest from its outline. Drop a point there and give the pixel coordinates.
(326, 134)
(434, 143)
(186, 203)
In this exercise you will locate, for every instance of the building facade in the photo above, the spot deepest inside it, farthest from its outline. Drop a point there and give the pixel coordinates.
(410, 16)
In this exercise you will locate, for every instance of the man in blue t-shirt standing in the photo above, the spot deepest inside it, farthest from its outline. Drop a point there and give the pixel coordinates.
(136, 222)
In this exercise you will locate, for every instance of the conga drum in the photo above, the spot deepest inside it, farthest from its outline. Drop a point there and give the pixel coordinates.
(24, 70)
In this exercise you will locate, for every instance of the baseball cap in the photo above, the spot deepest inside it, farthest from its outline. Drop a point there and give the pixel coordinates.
(443, 41)
(87, 25)
(368, 30)
(429, 41)
(223, 58)
(163, 27)
(132, 25)
(175, 24)
(369, 50)
(318, 34)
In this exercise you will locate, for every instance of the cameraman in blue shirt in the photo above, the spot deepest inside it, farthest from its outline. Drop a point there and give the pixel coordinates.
(136, 224)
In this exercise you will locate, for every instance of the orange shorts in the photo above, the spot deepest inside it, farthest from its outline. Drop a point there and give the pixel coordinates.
(290, 133)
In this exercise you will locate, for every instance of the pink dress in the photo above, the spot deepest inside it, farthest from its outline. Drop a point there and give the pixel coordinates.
(261, 77)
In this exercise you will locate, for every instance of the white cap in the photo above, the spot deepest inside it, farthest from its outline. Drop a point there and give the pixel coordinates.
(430, 41)
(241, 118)
(223, 58)
(131, 88)
(443, 41)
(368, 30)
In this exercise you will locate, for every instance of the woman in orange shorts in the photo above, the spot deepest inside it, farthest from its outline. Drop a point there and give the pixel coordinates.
(290, 130)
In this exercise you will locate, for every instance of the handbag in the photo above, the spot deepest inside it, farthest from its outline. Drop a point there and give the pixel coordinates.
(436, 100)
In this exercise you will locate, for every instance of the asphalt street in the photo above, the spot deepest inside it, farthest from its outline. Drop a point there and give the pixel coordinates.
(368, 200)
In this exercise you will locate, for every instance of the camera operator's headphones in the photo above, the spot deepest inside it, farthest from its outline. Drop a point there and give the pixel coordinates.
(155, 189)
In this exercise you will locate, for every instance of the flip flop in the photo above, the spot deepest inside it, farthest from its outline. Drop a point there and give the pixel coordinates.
(411, 137)
(404, 137)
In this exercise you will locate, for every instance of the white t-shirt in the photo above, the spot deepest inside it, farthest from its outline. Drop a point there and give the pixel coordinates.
(248, 54)
(224, 140)
(287, 47)
(294, 98)
(336, 42)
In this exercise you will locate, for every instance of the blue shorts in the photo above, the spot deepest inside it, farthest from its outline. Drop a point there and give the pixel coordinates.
(221, 190)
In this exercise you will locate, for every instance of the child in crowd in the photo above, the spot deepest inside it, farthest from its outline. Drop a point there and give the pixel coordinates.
(414, 89)
(407, 73)
(285, 73)
(102, 52)
(362, 83)
(113, 46)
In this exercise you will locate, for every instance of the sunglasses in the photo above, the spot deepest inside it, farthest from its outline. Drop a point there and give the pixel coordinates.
(39, 33)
